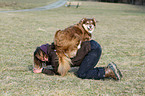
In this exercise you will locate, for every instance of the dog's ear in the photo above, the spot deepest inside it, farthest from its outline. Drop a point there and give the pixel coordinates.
(94, 21)
(82, 21)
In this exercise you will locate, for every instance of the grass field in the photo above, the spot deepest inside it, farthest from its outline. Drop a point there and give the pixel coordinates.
(120, 31)
(23, 4)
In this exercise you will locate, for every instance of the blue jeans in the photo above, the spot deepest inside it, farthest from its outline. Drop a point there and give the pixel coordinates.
(86, 69)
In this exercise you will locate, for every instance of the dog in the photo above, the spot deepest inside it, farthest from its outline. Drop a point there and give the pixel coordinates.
(87, 25)
(68, 41)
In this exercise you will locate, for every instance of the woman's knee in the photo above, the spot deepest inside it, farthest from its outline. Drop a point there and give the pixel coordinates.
(95, 45)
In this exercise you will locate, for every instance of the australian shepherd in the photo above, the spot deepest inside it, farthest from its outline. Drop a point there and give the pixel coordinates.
(68, 41)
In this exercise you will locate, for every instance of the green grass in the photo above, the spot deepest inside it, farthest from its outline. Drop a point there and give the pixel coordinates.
(23, 4)
(120, 32)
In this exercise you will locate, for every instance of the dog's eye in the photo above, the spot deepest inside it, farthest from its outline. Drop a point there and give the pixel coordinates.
(87, 22)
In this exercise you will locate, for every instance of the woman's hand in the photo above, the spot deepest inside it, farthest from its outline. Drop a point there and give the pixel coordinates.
(37, 70)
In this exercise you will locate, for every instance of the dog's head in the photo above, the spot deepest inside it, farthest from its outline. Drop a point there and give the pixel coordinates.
(88, 24)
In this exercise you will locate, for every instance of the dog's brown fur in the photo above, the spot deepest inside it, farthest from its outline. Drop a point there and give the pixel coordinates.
(66, 48)
(66, 43)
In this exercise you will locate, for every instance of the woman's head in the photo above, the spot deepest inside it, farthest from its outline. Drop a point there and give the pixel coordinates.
(42, 56)
(39, 57)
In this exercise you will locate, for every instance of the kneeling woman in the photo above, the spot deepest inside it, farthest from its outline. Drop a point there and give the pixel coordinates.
(87, 58)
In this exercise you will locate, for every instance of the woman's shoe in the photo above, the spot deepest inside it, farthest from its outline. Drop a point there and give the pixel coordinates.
(112, 71)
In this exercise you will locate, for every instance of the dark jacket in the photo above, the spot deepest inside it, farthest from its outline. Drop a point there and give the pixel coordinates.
(76, 61)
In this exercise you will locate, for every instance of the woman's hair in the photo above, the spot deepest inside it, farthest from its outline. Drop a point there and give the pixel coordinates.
(37, 62)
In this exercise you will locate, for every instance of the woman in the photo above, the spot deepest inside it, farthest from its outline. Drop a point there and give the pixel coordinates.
(87, 58)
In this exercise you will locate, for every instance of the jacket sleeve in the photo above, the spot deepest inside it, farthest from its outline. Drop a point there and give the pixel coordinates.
(82, 52)
(53, 62)
(48, 71)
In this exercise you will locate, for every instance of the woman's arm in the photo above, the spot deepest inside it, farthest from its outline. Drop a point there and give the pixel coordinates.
(82, 52)
(44, 70)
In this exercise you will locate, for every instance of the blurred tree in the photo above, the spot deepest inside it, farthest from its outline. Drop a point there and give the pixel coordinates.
(138, 2)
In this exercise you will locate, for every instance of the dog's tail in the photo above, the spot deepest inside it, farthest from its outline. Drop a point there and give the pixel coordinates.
(64, 65)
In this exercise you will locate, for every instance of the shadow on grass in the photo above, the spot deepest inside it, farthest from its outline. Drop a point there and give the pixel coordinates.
(72, 70)
(30, 68)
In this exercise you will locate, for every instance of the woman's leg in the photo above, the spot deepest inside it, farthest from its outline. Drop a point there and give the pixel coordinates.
(86, 69)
